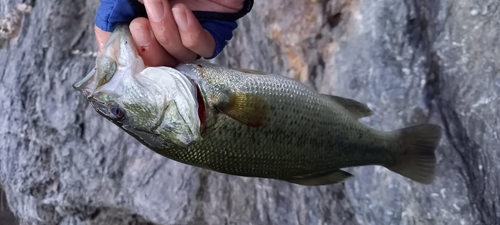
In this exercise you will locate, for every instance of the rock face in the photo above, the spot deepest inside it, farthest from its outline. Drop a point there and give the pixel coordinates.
(6, 216)
(411, 61)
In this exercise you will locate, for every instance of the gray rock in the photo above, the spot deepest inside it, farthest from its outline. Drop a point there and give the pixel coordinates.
(411, 61)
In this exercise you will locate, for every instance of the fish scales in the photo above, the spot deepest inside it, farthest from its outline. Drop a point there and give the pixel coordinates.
(305, 134)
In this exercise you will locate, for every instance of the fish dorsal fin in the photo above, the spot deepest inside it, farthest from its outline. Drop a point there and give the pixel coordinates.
(251, 71)
(246, 108)
(334, 177)
(357, 109)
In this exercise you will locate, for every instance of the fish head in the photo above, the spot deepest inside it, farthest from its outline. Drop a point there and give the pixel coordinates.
(156, 105)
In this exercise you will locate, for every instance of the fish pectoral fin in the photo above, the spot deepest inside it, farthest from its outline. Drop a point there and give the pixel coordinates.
(357, 109)
(256, 72)
(337, 176)
(249, 109)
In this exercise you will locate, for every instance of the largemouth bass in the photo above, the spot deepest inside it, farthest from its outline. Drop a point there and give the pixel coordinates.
(248, 123)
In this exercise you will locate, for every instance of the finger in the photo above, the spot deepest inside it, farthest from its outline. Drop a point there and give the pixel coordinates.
(101, 37)
(165, 29)
(229, 5)
(149, 49)
(192, 34)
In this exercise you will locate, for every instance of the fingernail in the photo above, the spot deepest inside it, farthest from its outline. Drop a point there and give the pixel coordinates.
(141, 34)
(180, 18)
(155, 10)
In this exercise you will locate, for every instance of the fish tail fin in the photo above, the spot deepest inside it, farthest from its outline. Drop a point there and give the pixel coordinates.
(416, 159)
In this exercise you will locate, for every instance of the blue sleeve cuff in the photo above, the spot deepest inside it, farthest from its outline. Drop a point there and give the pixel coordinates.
(111, 13)
(222, 31)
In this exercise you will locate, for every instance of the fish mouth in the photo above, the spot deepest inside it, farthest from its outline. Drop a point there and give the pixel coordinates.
(109, 59)
(87, 85)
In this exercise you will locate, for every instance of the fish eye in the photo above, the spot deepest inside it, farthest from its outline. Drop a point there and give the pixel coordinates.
(116, 112)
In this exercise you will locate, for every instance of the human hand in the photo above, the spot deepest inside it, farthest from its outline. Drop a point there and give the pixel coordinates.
(172, 34)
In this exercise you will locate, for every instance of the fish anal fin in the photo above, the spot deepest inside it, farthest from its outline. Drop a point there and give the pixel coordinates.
(249, 109)
(357, 109)
(335, 177)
